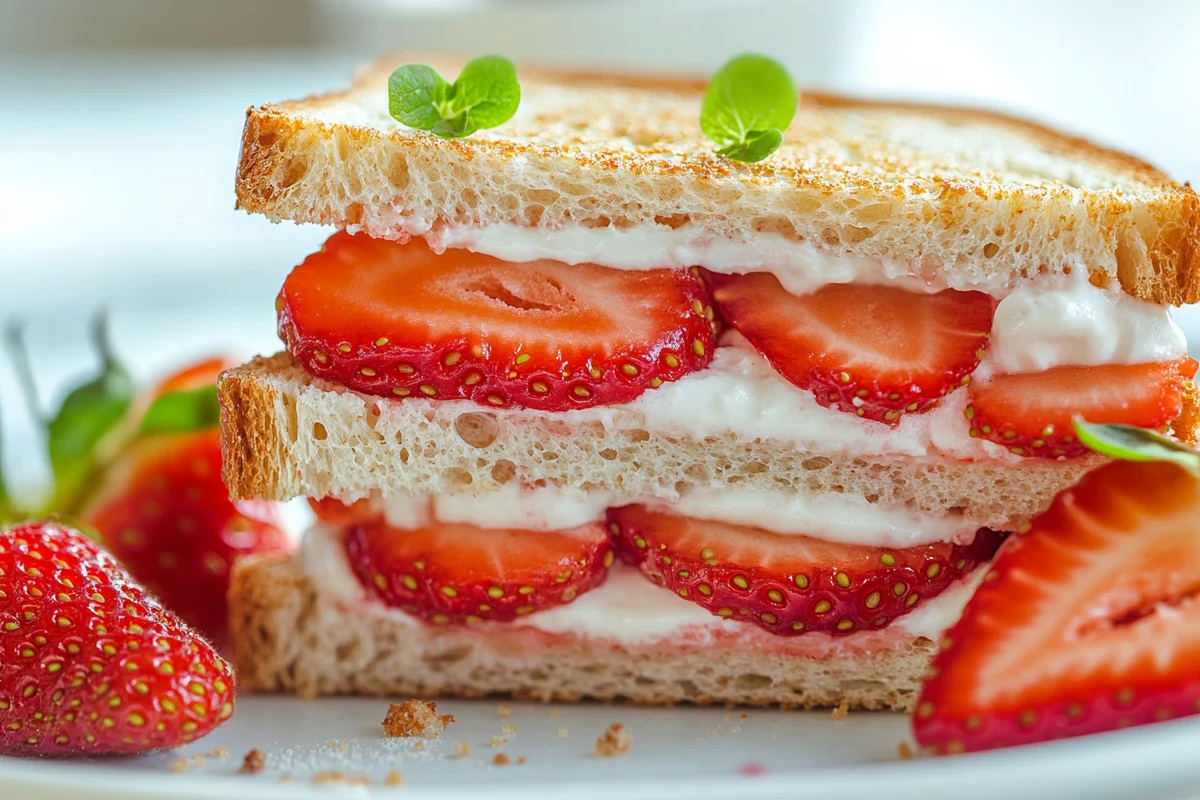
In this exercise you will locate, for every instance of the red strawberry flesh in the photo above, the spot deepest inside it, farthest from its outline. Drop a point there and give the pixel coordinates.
(1030, 413)
(453, 573)
(789, 585)
(1088, 622)
(875, 351)
(90, 663)
(399, 320)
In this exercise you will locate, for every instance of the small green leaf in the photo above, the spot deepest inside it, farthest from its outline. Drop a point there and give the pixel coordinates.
(184, 411)
(485, 95)
(87, 415)
(1130, 443)
(758, 145)
(417, 96)
(749, 103)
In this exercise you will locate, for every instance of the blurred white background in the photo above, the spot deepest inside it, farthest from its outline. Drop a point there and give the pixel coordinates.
(120, 122)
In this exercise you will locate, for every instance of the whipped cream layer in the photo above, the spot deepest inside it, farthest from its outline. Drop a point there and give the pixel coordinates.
(627, 608)
(843, 518)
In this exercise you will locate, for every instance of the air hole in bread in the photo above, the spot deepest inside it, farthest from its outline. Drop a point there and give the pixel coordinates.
(751, 680)
(816, 463)
(294, 172)
(608, 454)
(457, 477)
(638, 435)
(319, 432)
(853, 234)
(403, 455)
(477, 428)
(990, 249)
(830, 237)
(503, 471)
(397, 172)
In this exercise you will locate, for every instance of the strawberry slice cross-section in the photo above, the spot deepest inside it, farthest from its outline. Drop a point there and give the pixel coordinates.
(1030, 413)
(875, 351)
(453, 573)
(399, 320)
(789, 584)
(1088, 622)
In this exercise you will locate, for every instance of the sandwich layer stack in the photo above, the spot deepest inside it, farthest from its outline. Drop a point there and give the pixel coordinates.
(587, 410)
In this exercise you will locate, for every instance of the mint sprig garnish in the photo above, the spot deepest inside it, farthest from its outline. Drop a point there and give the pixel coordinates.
(1129, 443)
(485, 94)
(747, 107)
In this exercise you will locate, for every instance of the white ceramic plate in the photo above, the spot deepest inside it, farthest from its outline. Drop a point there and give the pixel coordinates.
(676, 753)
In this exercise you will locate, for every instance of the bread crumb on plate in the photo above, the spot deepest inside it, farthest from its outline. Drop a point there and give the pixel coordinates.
(462, 749)
(253, 762)
(394, 779)
(841, 712)
(615, 741)
(500, 759)
(414, 718)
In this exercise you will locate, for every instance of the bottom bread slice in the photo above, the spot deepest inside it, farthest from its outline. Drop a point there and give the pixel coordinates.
(288, 638)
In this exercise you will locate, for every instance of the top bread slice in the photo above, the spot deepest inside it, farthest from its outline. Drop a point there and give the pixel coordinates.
(959, 194)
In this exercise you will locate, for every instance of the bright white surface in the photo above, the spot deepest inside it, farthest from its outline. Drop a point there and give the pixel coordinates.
(677, 754)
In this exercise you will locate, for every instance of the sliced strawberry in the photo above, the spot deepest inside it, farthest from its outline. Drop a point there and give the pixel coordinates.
(459, 573)
(789, 584)
(875, 351)
(1031, 413)
(1086, 623)
(400, 320)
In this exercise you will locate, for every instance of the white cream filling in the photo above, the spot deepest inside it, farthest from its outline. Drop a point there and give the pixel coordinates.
(847, 519)
(627, 608)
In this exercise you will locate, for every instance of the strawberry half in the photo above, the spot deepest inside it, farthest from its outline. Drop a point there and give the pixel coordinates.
(399, 320)
(876, 351)
(1031, 413)
(450, 573)
(1086, 623)
(789, 584)
(90, 663)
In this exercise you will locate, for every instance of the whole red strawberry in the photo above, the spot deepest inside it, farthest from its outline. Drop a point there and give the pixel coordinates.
(90, 663)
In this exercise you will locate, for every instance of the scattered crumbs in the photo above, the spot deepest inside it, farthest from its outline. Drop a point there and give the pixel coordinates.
(336, 746)
(394, 779)
(285, 777)
(198, 759)
(462, 749)
(904, 751)
(742, 715)
(504, 710)
(752, 768)
(220, 752)
(520, 761)
(615, 741)
(509, 729)
(329, 776)
(841, 711)
(181, 765)
(253, 763)
(498, 741)
(415, 718)
(500, 759)
(736, 729)
(418, 747)
(555, 713)
(562, 732)
(713, 734)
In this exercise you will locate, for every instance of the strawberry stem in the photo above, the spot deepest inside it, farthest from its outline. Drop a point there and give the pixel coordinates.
(19, 356)
(1130, 443)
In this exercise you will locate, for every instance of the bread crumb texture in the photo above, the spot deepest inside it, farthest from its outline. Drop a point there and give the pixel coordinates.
(615, 741)
(841, 712)
(415, 718)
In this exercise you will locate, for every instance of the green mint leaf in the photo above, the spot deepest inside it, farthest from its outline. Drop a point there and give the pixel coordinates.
(417, 96)
(749, 103)
(185, 411)
(1129, 443)
(87, 415)
(758, 145)
(485, 95)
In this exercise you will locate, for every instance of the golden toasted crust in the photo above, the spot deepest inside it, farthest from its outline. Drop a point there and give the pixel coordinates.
(289, 637)
(961, 192)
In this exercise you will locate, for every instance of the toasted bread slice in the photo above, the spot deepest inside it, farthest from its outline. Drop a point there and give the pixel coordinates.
(288, 637)
(286, 435)
(963, 195)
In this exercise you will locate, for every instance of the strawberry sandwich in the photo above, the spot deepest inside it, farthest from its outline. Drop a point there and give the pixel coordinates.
(585, 408)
